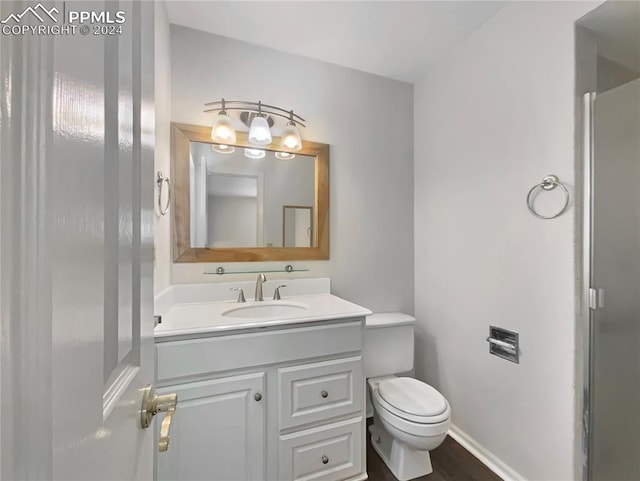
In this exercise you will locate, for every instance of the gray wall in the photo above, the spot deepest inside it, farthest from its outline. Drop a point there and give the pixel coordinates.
(368, 122)
(492, 119)
(612, 74)
(223, 227)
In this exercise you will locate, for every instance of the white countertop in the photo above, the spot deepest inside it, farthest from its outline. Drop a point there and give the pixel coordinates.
(207, 317)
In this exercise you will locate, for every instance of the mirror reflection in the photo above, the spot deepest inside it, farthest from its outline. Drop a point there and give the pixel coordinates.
(242, 197)
(297, 221)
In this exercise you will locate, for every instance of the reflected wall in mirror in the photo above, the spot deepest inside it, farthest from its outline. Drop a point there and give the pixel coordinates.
(239, 203)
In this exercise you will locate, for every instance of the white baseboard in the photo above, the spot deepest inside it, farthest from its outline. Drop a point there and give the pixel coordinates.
(486, 457)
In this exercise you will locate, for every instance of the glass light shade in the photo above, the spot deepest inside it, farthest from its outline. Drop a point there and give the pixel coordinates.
(222, 130)
(290, 138)
(284, 155)
(254, 153)
(259, 133)
(223, 149)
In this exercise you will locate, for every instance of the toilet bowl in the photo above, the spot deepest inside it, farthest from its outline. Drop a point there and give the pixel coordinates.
(410, 418)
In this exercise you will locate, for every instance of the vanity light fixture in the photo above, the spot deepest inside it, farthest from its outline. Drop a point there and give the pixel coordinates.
(223, 148)
(258, 117)
(254, 153)
(285, 155)
(290, 138)
(259, 133)
(222, 129)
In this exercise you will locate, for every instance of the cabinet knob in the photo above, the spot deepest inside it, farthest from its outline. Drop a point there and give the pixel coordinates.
(258, 397)
(324, 394)
(325, 459)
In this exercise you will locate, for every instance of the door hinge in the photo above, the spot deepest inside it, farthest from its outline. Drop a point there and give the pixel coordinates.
(596, 298)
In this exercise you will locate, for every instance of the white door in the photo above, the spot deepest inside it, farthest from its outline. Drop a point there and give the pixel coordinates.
(76, 144)
(218, 431)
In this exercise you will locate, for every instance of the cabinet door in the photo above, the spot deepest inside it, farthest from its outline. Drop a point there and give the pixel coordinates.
(218, 431)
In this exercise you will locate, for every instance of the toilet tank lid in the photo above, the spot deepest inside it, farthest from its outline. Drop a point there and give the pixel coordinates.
(388, 319)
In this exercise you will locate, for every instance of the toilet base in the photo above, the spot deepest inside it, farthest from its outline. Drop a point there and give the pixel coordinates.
(404, 461)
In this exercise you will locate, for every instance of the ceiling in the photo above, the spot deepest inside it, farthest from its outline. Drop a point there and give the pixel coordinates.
(395, 39)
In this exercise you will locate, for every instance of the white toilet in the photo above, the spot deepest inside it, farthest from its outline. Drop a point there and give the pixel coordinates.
(410, 417)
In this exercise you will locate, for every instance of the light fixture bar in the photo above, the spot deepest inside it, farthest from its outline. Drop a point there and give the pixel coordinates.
(264, 112)
(253, 106)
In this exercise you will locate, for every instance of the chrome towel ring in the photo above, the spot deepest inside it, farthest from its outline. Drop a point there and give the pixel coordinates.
(160, 181)
(550, 182)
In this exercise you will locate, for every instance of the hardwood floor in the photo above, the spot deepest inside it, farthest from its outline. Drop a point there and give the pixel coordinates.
(451, 462)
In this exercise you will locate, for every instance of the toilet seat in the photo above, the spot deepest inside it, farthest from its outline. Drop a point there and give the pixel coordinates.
(411, 400)
(413, 429)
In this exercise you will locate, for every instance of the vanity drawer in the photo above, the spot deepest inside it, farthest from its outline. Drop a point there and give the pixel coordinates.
(327, 453)
(319, 391)
(192, 357)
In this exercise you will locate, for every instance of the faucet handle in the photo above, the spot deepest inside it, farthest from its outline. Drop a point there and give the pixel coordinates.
(276, 293)
(240, 294)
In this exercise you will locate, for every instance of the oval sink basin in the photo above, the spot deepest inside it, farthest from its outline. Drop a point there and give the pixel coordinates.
(276, 309)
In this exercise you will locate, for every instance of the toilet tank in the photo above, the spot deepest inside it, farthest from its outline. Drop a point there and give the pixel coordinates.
(388, 344)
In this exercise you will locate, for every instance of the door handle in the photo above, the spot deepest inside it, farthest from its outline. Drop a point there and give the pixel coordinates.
(152, 404)
(163, 443)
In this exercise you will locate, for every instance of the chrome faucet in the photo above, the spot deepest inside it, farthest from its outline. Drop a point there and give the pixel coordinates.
(240, 294)
(261, 280)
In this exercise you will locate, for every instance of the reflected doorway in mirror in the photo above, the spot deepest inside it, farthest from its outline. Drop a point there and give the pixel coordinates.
(297, 226)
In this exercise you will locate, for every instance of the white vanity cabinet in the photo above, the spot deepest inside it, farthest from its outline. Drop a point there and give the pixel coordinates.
(219, 432)
(280, 403)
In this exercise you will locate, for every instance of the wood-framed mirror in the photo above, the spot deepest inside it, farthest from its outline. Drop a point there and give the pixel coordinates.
(229, 203)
